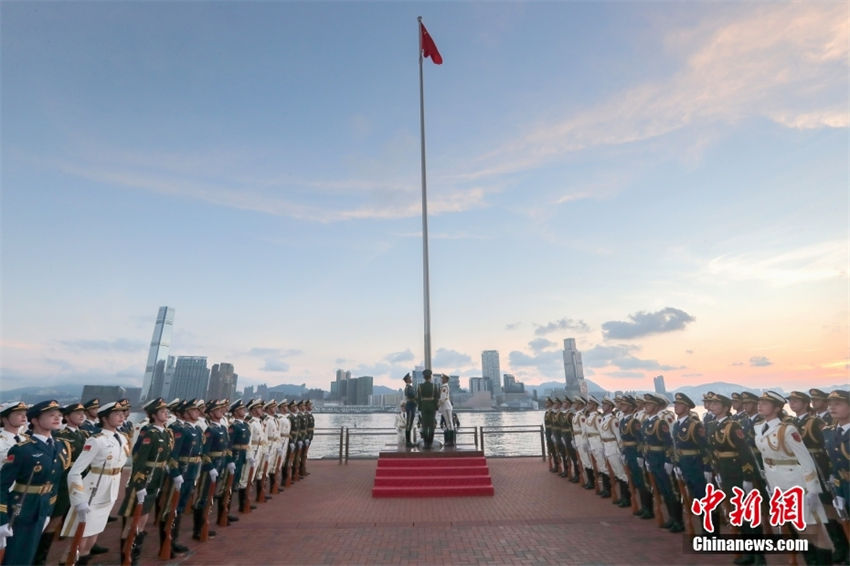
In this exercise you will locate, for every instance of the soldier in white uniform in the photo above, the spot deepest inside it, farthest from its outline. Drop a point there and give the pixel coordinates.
(13, 416)
(787, 464)
(609, 431)
(257, 452)
(272, 428)
(444, 405)
(92, 497)
(581, 446)
(284, 427)
(597, 451)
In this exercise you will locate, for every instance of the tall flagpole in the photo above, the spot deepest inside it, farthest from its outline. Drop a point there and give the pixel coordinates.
(425, 275)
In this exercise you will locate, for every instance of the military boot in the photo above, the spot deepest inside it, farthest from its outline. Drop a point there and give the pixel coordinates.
(43, 548)
(606, 486)
(176, 547)
(591, 480)
(646, 511)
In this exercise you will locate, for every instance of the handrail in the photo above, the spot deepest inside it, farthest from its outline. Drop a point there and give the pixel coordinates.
(348, 438)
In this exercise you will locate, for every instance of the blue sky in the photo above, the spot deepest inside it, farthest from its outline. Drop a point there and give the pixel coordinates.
(665, 182)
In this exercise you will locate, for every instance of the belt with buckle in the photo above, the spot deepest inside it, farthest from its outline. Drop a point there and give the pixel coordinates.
(34, 489)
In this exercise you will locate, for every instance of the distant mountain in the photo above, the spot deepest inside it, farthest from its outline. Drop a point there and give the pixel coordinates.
(383, 390)
(288, 389)
(592, 387)
(64, 393)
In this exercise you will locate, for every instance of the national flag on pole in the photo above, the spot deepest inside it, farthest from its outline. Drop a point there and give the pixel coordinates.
(429, 48)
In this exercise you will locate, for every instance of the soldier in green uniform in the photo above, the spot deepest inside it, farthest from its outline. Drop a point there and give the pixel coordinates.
(29, 482)
(409, 410)
(426, 397)
(150, 457)
(311, 425)
(733, 461)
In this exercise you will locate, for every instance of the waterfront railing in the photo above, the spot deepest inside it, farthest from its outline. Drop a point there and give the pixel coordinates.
(345, 443)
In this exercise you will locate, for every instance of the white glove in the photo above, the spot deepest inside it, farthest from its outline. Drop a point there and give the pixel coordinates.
(719, 480)
(707, 477)
(251, 461)
(178, 482)
(747, 485)
(623, 459)
(678, 471)
(668, 468)
(573, 442)
(140, 495)
(640, 462)
(307, 442)
(82, 510)
(838, 502)
(231, 467)
(5, 531)
(213, 474)
(2, 542)
(648, 469)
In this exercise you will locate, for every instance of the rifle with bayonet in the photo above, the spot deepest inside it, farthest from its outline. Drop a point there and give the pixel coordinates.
(74, 549)
(137, 516)
(17, 509)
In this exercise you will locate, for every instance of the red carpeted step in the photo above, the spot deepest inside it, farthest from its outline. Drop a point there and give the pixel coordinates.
(430, 462)
(433, 491)
(434, 471)
(420, 481)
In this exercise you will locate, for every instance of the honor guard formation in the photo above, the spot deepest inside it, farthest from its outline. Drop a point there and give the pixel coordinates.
(63, 469)
(660, 461)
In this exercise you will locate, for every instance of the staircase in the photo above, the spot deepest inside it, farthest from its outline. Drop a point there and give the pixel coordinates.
(432, 474)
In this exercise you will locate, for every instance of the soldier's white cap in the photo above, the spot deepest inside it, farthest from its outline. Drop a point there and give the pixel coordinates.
(773, 397)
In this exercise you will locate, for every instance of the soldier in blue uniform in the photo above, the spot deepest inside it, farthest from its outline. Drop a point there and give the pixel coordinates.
(630, 440)
(75, 438)
(837, 443)
(409, 410)
(310, 425)
(240, 441)
(748, 419)
(690, 449)
(213, 461)
(658, 447)
(191, 445)
(29, 483)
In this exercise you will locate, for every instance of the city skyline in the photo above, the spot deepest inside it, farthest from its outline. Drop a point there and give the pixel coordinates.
(665, 183)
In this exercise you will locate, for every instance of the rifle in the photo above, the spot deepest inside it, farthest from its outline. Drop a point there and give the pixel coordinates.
(596, 478)
(613, 479)
(205, 528)
(225, 501)
(686, 500)
(302, 460)
(165, 549)
(137, 517)
(74, 549)
(261, 491)
(17, 510)
(273, 485)
(656, 499)
(246, 502)
(287, 463)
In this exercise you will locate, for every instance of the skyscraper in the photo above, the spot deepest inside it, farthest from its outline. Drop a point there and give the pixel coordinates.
(160, 344)
(191, 378)
(573, 370)
(490, 369)
(222, 382)
(659, 384)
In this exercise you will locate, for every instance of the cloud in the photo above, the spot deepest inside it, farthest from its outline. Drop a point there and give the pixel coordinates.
(815, 262)
(626, 374)
(549, 364)
(621, 356)
(61, 365)
(406, 356)
(277, 352)
(689, 351)
(117, 345)
(643, 324)
(691, 375)
(513, 325)
(562, 324)
(275, 365)
(737, 363)
(782, 61)
(760, 361)
(541, 344)
(450, 358)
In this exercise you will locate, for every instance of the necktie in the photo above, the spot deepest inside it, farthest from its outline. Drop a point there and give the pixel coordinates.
(50, 442)
(117, 438)
(764, 429)
(17, 438)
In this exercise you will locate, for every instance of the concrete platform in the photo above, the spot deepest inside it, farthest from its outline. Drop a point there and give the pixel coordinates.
(331, 517)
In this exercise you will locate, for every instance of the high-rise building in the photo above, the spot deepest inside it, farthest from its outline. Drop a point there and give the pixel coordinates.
(105, 393)
(490, 369)
(169, 378)
(363, 390)
(573, 370)
(191, 378)
(477, 384)
(454, 384)
(418, 376)
(160, 345)
(659, 384)
(222, 382)
(511, 385)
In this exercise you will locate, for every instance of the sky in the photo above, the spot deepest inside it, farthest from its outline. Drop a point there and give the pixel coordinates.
(665, 182)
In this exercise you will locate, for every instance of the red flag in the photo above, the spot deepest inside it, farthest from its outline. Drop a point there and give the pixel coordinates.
(429, 48)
